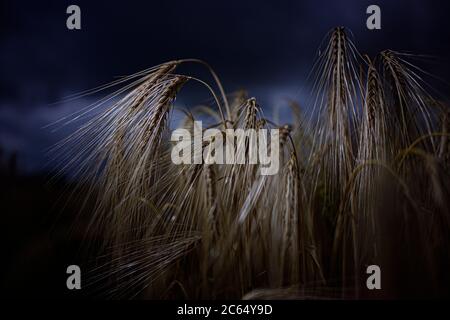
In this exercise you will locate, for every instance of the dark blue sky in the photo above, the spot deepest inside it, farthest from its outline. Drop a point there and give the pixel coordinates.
(267, 47)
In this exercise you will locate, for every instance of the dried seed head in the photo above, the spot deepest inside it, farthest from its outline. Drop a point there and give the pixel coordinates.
(160, 110)
(251, 114)
(373, 94)
(151, 81)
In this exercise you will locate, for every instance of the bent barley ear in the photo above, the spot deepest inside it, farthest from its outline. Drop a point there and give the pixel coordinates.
(411, 107)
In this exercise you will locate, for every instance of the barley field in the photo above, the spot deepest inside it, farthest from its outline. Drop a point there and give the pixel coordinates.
(363, 180)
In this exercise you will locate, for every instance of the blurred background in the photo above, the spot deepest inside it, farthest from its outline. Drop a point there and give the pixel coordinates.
(265, 47)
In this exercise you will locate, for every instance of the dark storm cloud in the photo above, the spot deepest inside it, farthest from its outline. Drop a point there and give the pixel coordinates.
(248, 40)
(265, 46)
